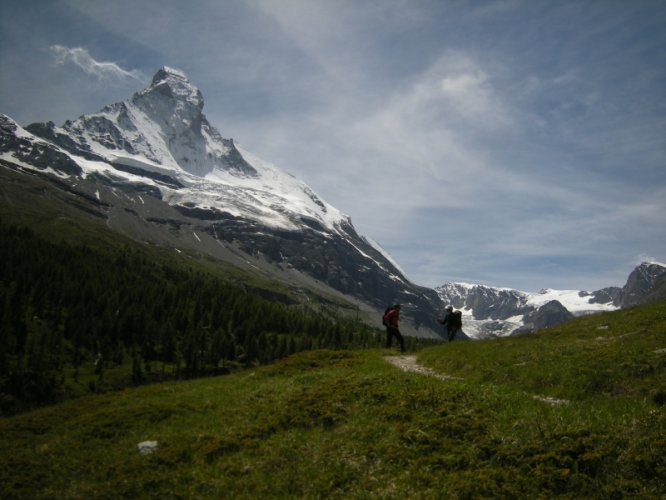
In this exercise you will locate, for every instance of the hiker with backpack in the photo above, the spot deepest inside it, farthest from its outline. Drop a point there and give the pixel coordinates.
(452, 322)
(391, 321)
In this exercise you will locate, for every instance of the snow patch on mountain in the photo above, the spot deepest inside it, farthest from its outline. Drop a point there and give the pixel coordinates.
(575, 301)
(295, 194)
(384, 254)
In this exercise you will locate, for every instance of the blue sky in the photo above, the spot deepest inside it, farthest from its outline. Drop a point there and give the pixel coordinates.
(513, 143)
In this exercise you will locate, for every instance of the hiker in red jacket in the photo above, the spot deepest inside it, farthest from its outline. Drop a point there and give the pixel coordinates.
(391, 321)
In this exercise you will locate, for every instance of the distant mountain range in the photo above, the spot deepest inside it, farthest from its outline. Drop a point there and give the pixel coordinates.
(490, 311)
(154, 169)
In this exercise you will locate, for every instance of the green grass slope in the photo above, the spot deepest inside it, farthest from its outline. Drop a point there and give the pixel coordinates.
(347, 424)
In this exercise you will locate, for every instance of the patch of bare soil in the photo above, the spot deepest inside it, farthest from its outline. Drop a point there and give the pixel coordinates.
(409, 364)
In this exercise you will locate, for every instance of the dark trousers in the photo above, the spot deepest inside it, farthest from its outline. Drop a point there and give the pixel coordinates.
(452, 334)
(390, 332)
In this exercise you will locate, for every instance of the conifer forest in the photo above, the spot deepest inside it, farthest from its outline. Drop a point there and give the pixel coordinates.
(70, 309)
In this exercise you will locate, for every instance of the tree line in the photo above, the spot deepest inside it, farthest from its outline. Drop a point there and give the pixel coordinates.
(66, 306)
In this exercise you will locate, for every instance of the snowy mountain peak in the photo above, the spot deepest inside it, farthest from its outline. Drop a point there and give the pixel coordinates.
(166, 72)
(173, 86)
(654, 265)
(161, 135)
(161, 125)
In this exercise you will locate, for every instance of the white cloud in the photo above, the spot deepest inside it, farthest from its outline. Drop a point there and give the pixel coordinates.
(106, 71)
(425, 137)
(468, 91)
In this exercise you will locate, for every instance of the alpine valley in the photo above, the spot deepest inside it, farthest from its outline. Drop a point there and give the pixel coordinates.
(153, 169)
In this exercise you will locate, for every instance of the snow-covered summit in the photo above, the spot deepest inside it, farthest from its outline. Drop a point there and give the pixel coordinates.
(167, 73)
(161, 132)
(172, 101)
(175, 81)
(162, 124)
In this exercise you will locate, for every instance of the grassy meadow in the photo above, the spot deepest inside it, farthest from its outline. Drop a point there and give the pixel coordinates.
(575, 411)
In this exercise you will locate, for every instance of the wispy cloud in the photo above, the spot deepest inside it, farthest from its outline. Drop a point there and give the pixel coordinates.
(105, 71)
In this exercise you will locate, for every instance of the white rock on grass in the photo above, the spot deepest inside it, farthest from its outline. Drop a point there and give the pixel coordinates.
(147, 447)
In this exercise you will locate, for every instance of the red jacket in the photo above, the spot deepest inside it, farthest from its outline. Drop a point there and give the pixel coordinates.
(393, 318)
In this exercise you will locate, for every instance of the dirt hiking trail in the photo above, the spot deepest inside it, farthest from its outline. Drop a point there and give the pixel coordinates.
(409, 364)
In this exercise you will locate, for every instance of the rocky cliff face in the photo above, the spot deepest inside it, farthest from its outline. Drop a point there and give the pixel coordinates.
(484, 302)
(550, 314)
(158, 171)
(658, 291)
(641, 282)
(28, 150)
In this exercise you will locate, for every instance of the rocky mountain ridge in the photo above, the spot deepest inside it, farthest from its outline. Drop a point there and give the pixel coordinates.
(490, 311)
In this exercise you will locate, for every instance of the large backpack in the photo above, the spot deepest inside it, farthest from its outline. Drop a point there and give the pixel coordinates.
(455, 320)
(385, 317)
